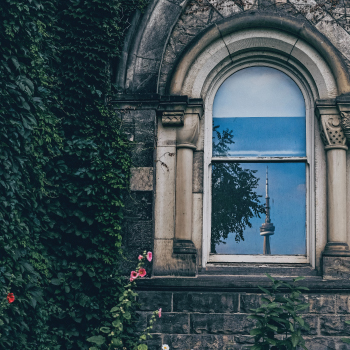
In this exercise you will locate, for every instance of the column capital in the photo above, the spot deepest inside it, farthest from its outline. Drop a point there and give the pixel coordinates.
(343, 104)
(331, 124)
(173, 109)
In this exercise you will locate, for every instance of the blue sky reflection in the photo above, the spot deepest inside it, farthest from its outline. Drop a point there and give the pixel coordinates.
(265, 110)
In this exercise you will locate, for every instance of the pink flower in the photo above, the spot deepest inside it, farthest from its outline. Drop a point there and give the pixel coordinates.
(142, 272)
(149, 256)
(133, 275)
(160, 312)
(140, 257)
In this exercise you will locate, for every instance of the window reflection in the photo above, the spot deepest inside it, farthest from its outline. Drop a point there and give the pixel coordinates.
(238, 208)
(259, 112)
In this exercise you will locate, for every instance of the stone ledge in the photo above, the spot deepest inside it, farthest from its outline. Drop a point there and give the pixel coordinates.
(237, 283)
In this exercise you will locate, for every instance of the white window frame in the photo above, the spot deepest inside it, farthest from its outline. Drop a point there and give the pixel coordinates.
(309, 160)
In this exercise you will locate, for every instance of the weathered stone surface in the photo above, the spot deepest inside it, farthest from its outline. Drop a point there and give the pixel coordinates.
(172, 323)
(144, 82)
(197, 185)
(343, 304)
(156, 342)
(186, 265)
(151, 301)
(226, 8)
(323, 343)
(201, 342)
(243, 339)
(334, 325)
(144, 121)
(309, 10)
(250, 301)
(155, 35)
(206, 302)
(138, 205)
(140, 234)
(220, 324)
(336, 267)
(335, 33)
(146, 65)
(313, 323)
(142, 154)
(321, 304)
(141, 179)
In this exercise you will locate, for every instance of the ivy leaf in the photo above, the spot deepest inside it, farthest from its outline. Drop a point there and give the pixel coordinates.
(97, 339)
(127, 315)
(56, 281)
(117, 342)
(105, 329)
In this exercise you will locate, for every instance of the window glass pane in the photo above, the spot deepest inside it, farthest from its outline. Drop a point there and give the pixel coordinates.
(238, 198)
(259, 111)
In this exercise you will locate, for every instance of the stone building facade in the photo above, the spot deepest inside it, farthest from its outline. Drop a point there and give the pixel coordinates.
(175, 56)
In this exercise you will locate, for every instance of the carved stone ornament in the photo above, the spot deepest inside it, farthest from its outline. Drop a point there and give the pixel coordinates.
(332, 132)
(173, 118)
(345, 124)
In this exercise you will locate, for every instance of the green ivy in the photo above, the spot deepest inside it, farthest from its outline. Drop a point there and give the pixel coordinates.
(64, 169)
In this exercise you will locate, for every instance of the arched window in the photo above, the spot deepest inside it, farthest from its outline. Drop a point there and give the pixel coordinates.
(259, 169)
(247, 101)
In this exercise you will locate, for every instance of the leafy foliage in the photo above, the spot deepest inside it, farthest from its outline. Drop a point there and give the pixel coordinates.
(235, 200)
(119, 331)
(279, 324)
(65, 167)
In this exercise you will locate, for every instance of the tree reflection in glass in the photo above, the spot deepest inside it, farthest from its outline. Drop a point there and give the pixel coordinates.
(234, 199)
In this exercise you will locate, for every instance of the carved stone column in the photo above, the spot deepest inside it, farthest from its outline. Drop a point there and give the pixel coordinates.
(184, 117)
(337, 250)
(186, 139)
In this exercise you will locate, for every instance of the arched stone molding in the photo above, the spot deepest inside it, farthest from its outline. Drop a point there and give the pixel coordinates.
(144, 45)
(259, 45)
(293, 37)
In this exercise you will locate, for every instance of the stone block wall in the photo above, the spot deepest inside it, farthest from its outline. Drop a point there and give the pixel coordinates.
(218, 320)
(139, 125)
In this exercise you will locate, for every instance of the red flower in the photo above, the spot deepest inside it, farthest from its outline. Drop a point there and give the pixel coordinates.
(140, 257)
(133, 275)
(142, 272)
(10, 298)
(149, 256)
(160, 312)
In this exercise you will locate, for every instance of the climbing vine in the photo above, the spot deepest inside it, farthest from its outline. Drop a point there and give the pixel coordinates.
(64, 169)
